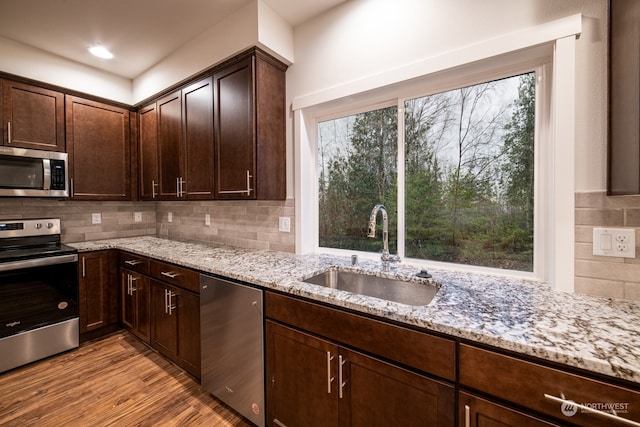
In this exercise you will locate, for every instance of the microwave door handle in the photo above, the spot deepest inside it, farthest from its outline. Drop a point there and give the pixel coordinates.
(46, 178)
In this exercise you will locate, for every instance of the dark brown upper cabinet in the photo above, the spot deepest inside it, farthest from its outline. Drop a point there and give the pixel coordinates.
(33, 117)
(148, 152)
(249, 108)
(98, 142)
(184, 145)
(624, 97)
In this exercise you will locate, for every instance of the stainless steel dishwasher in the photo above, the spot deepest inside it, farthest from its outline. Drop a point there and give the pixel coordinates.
(232, 350)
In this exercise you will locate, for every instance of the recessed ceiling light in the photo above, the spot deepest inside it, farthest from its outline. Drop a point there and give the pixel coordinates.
(101, 52)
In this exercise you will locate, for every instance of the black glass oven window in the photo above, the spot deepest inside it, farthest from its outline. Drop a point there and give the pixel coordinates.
(34, 297)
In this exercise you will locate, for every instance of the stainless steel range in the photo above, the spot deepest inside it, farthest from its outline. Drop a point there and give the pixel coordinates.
(38, 292)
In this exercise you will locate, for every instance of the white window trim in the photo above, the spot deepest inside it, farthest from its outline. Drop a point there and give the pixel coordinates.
(557, 220)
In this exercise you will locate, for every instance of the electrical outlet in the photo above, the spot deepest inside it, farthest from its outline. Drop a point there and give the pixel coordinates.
(137, 216)
(207, 220)
(96, 218)
(614, 242)
(170, 217)
(284, 224)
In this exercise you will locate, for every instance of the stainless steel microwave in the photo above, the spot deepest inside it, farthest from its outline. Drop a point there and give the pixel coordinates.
(33, 173)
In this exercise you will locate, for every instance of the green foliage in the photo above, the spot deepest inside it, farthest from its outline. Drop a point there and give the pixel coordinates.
(469, 164)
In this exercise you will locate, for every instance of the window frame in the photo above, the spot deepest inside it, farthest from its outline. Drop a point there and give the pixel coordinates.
(555, 41)
(429, 88)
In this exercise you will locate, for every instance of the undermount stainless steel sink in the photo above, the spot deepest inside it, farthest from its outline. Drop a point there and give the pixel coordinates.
(410, 293)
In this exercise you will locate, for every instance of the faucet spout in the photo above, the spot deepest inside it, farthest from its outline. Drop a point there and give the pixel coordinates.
(385, 257)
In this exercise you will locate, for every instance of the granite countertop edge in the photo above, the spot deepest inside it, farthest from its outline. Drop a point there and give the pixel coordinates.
(523, 316)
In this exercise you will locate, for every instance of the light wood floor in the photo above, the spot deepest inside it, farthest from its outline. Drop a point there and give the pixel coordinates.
(115, 381)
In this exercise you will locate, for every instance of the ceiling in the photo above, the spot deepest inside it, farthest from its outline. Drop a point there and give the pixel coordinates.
(139, 33)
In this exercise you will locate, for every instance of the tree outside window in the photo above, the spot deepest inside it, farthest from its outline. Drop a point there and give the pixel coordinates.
(468, 175)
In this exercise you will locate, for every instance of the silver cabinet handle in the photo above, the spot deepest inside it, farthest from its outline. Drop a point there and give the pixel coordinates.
(9, 139)
(84, 268)
(329, 377)
(279, 423)
(180, 186)
(133, 262)
(133, 280)
(171, 307)
(248, 189)
(467, 416)
(584, 408)
(169, 274)
(166, 303)
(154, 185)
(70, 187)
(342, 383)
(128, 284)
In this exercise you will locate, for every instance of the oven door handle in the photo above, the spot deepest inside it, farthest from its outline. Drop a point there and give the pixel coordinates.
(38, 262)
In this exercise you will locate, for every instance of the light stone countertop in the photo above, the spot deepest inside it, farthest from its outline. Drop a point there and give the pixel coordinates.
(596, 334)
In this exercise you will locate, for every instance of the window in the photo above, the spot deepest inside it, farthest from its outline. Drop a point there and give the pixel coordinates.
(462, 189)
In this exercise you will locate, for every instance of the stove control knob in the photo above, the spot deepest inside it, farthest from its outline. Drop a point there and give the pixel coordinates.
(38, 226)
(49, 225)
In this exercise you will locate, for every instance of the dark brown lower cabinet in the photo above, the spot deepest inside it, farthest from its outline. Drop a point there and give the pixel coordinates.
(477, 412)
(135, 293)
(98, 291)
(314, 382)
(175, 325)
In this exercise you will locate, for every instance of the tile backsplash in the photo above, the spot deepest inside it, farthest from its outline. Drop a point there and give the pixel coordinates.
(612, 277)
(117, 218)
(249, 224)
(246, 223)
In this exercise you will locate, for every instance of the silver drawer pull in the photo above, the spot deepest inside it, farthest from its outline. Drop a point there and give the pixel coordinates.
(169, 274)
(584, 408)
(133, 262)
(279, 423)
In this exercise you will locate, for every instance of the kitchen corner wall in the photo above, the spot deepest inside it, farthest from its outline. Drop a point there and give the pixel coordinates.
(611, 277)
(247, 224)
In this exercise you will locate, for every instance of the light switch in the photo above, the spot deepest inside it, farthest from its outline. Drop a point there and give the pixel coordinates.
(606, 242)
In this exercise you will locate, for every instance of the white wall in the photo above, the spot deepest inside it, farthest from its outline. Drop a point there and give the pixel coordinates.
(361, 38)
(22, 60)
(255, 24)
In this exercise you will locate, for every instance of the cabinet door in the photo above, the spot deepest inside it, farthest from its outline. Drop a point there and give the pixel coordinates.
(164, 319)
(169, 144)
(197, 102)
(478, 412)
(373, 392)
(33, 117)
(301, 379)
(99, 150)
(235, 131)
(98, 290)
(148, 152)
(135, 303)
(188, 313)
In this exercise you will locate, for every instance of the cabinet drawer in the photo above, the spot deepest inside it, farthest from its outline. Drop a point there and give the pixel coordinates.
(526, 384)
(428, 353)
(133, 262)
(179, 276)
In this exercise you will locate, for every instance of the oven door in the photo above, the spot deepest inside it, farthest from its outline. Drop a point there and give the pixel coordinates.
(37, 292)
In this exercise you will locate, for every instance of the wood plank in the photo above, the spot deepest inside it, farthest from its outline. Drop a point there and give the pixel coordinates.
(116, 380)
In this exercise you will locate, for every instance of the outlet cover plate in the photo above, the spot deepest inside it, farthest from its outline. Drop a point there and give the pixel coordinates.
(284, 224)
(614, 242)
(96, 218)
